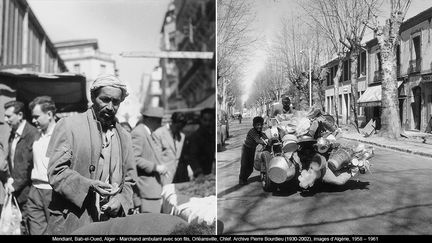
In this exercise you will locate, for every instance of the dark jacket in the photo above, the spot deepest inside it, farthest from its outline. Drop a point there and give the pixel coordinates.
(23, 163)
(200, 151)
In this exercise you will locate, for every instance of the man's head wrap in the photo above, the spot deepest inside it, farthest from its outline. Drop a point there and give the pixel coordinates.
(109, 80)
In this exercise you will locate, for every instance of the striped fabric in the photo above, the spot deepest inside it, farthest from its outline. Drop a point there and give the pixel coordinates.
(253, 138)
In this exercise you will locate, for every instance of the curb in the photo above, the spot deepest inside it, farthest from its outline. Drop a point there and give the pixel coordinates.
(391, 147)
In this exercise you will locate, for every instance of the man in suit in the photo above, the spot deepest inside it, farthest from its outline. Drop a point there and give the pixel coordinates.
(200, 145)
(150, 167)
(170, 139)
(91, 166)
(3, 174)
(20, 159)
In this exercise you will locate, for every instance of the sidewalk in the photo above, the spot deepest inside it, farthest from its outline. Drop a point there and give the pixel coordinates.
(416, 142)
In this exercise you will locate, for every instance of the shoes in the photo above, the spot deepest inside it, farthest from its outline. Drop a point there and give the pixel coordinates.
(243, 182)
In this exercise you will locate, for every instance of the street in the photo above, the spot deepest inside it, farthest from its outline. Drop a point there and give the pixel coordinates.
(394, 199)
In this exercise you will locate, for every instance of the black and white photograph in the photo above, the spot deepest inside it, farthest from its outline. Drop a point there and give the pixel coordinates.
(108, 117)
(324, 118)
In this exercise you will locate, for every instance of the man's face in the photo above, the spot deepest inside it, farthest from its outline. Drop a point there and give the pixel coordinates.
(286, 103)
(208, 121)
(258, 126)
(12, 119)
(41, 119)
(106, 104)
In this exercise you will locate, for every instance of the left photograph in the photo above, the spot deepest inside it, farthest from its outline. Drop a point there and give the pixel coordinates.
(107, 117)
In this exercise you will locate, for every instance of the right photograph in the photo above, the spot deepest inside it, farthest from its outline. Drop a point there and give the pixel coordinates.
(324, 116)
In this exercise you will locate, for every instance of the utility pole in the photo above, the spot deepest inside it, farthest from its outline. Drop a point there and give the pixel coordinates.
(310, 77)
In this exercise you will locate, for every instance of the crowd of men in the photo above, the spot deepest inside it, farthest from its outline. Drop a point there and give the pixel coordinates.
(88, 167)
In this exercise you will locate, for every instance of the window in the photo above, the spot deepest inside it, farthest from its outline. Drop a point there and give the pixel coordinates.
(378, 61)
(102, 69)
(77, 68)
(398, 60)
(13, 43)
(34, 46)
(333, 74)
(361, 65)
(417, 48)
(346, 70)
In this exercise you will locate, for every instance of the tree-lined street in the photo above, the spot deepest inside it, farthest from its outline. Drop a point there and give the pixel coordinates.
(394, 199)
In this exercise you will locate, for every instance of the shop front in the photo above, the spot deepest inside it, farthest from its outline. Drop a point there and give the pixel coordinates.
(371, 101)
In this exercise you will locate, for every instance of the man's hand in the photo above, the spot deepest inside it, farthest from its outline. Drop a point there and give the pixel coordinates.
(8, 185)
(161, 169)
(104, 189)
(112, 207)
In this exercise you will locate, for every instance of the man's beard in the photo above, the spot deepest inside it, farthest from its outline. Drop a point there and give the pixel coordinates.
(106, 118)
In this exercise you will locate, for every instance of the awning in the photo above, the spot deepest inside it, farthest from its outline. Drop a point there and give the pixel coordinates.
(372, 96)
(68, 90)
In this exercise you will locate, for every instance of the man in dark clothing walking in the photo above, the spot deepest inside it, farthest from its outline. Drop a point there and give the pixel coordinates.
(200, 145)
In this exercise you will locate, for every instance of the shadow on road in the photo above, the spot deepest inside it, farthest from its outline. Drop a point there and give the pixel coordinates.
(229, 190)
(324, 187)
(236, 187)
(348, 219)
(254, 179)
(287, 189)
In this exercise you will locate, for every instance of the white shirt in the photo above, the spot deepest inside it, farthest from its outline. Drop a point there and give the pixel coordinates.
(39, 174)
(18, 134)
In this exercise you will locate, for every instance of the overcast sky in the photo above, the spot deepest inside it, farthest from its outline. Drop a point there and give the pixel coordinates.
(119, 26)
(268, 22)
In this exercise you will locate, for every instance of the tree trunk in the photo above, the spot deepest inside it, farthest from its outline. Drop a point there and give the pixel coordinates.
(336, 88)
(390, 123)
(354, 90)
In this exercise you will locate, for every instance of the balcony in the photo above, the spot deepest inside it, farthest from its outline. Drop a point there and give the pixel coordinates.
(414, 66)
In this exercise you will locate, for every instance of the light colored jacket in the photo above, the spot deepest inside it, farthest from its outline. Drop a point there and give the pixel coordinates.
(74, 152)
(147, 156)
(170, 149)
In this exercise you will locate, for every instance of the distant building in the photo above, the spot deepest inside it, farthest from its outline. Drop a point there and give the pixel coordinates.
(415, 96)
(24, 43)
(345, 96)
(84, 57)
(414, 76)
(189, 25)
(28, 61)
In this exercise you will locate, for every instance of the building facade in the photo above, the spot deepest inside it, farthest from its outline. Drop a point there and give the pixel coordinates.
(84, 57)
(24, 43)
(28, 59)
(414, 77)
(189, 25)
(345, 95)
(416, 71)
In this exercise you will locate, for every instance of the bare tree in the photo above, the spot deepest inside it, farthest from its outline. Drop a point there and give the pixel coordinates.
(233, 40)
(388, 39)
(343, 23)
(297, 49)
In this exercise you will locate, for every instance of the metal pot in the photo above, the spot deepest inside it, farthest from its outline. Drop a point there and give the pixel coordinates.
(280, 170)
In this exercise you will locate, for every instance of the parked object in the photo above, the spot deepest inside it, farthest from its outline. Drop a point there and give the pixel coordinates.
(10, 219)
(312, 152)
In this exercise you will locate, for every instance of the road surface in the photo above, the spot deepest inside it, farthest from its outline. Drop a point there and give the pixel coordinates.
(395, 199)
